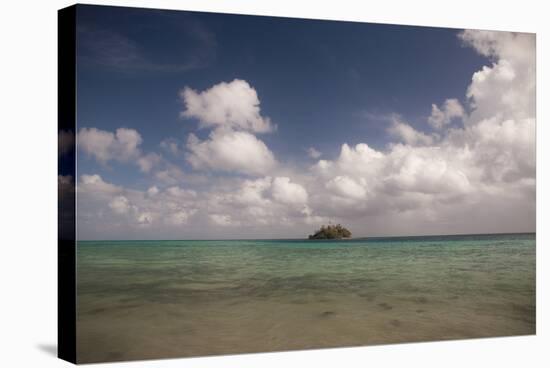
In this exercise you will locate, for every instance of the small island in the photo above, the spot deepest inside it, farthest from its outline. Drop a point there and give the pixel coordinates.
(331, 232)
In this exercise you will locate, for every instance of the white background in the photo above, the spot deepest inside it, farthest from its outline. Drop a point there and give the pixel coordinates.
(28, 182)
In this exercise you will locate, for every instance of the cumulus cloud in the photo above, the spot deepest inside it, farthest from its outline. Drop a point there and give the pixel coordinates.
(121, 146)
(170, 175)
(147, 161)
(171, 146)
(232, 111)
(179, 218)
(501, 128)
(347, 187)
(262, 202)
(231, 105)
(429, 170)
(152, 191)
(287, 192)
(130, 208)
(406, 133)
(228, 150)
(145, 218)
(313, 153)
(518, 47)
(178, 192)
(119, 205)
(507, 87)
(488, 161)
(252, 193)
(358, 160)
(257, 203)
(96, 184)
(221, 220)
(450, 110)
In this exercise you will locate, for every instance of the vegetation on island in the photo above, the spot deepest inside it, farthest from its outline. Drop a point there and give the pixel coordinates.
(331, 232)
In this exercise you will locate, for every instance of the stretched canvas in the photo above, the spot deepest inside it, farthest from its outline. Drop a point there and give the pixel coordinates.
(239, 184)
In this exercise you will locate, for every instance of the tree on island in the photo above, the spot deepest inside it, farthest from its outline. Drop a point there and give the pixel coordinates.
(331, 232)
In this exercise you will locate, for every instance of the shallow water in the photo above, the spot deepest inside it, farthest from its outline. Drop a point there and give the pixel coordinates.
(161, 299)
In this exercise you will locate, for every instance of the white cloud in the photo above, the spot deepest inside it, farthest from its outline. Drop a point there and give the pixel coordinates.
(152, 191)
(96, 184)
(313, 153)
(145, 218)
(504, 149)
(425, 170)
(507, 87)
(147, 161)
(227, 150)
(179, 192)
(179, 218)
(233, 111)
(360, 160)
(133, 209)
(501, 128)
(450, 110)
(221, 220)
(347, 187)
(121, 146)
(170, 175)
(252, 192)
(260, 204)
(171, 146)
(232, 105)
(120, 205)
(408, 134)
(518, 47)
(488, 162)
(286, 192)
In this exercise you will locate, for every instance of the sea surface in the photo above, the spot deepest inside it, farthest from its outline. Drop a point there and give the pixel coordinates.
(163, 299)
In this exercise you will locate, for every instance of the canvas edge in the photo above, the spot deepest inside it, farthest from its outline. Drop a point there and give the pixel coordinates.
(66, 238)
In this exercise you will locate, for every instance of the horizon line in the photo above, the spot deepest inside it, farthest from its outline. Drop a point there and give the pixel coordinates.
(352, 238)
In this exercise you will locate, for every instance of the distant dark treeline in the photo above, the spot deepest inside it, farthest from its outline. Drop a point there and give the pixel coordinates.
(331, 232)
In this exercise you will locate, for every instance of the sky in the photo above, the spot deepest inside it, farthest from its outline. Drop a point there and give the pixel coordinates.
(210, 126)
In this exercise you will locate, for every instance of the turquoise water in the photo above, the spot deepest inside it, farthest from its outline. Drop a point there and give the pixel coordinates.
(156, 299)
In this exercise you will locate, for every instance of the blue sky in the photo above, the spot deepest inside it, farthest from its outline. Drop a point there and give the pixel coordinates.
(311, 76)
(321, 84)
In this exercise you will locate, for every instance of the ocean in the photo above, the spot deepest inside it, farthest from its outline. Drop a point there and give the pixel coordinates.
(163, 299)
